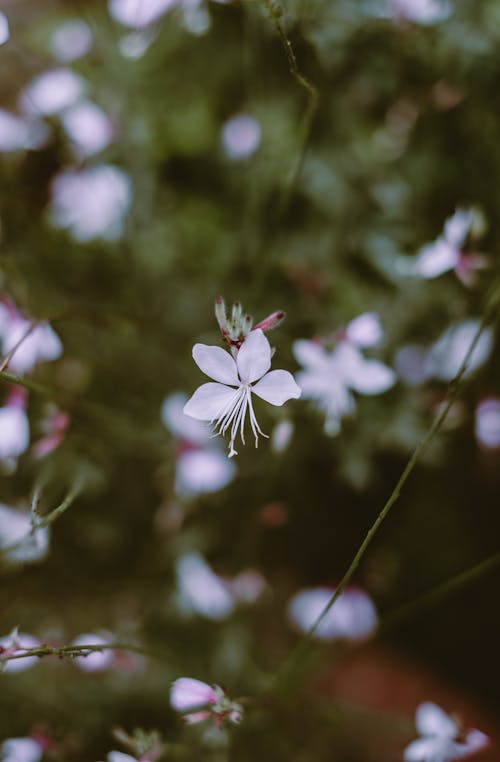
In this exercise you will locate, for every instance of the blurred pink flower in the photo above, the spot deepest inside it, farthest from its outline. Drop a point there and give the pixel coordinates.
(188, 693)
(226, 405)
(353, 616)
(441, 738)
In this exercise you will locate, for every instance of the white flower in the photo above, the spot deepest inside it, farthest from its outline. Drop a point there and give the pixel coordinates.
(488, 423)
(187, 693)
(444, 253)
(201, 467)
(88, 127)
(71, 40)
(420, 11)
(18, 543)
(139, 13)
(39, 344)
(91, 202)
(4, 28)
(119, 756)
(21, 750)
(51, 92)
(441, 739)
(200, 590)
(353, 617)
(329, 376)
(241, 136)
(448, 352)
(227, 401)
(13, 644)
(96, 661)
(14, 432)
(17, 133)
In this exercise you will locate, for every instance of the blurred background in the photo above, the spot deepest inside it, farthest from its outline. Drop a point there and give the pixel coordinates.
(329, 158)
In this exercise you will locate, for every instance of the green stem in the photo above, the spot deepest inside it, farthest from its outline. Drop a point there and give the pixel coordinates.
(305, 643)
(32, 386)
(450, 587)
(82, 650)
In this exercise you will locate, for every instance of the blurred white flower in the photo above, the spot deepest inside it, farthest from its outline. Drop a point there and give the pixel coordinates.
(420, 11)
(71, 40)
(14, 426)
(4, 28)
(118, 756)
(441, 738)
(227, 406)
(37, 343)
(13, 644)
(200, 590)
(96, 661)
(139, 13)
(329, 376)
(18, 543)
(445, 253)
(21, 750)
(91, 202)
(241, 136)
(410, 362)
(448, 352)
(88, 127)
(282, 435)
(487, 423)
(353, 616)
(20, 134)
(201, 466)
(51, 92)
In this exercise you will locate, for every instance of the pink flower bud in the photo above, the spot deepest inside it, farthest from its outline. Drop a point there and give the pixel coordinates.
(187, 693)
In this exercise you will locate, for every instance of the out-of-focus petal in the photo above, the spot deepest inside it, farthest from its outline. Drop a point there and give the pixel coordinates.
(457, 227)
(20, 665)
(209, 401)
(310, 354)
(203, 471)
(88, 127)
(254, 357)
(188, 693)
(435, 259)
(488, 423)
(4, 28)
(216, 363)
(421, 750)
(241, 136)
(277, 387)
(51, 92)
(373, 378)
(139, 13)
(179, 424)
(448, 353)
(71, 40)
(96, 661)
(365, 330)
(431, 720)
(21, 750)
(353, 616)
(200, 590)
(14, 432)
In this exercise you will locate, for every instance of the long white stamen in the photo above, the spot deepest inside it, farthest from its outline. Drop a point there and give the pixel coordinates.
(253, 420)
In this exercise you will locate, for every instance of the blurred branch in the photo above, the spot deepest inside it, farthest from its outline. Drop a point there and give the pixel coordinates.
(8, 357)
(448, 588)
(452, 393)
(32, 386)
(73, 651)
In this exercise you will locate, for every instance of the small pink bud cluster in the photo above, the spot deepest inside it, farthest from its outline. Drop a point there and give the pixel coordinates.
(236, 328)
(199, 701)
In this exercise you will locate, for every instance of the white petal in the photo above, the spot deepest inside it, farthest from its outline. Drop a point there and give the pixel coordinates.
(20, 665)
(14, 432)
(209, 401)
(179, 424)
(457, 227)
(365, 330)
(421, 750)
(277, 387)
(435, 259)
(431, 720)
(353, 617)
(310, 354)
(447, 354)
(254, 357)
(373, 377)
(97, 660)
(203, 471)
(201, 591)
(118, 756)
(21, 750)
(216, 363)
(475, 740)
(188, 693)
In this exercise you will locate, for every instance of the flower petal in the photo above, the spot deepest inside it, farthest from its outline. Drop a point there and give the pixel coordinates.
(430, 719)
(365, 330)
(188, 693)
(216, 363)
(254, 357)
(277, 387)
(209, 401)
(373, 377)
(310, 354)
(421, 750)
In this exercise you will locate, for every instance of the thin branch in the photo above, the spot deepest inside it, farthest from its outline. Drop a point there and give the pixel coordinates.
(72, 651)
(452, 394)
(8, 357)
(31, 386)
